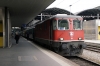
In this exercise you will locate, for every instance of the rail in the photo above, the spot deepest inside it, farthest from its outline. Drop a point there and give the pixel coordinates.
(93, 47)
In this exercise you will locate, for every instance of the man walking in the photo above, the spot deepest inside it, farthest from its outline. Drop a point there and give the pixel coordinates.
(17, 36)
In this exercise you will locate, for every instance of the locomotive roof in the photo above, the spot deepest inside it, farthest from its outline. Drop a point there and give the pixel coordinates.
(59, 16)
(66, 16)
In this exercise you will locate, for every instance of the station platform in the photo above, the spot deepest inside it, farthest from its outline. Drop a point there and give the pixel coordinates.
(93, 41)
(26, 53)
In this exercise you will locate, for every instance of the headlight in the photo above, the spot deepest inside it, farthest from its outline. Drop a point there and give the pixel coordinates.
(61, 39)
(79, 38)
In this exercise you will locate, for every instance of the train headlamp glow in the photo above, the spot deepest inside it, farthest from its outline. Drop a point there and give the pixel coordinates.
(79, 38)
(61, 39)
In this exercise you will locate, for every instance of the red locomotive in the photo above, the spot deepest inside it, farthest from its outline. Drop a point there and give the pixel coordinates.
(63, 33)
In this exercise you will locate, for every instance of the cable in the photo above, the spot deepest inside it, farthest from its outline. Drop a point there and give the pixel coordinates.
(75, 2)
(59, 3)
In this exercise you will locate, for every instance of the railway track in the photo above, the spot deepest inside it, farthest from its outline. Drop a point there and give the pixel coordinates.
(93, 47)
(81, 61)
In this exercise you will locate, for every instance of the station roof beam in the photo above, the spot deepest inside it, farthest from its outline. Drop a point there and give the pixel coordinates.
(22, 11)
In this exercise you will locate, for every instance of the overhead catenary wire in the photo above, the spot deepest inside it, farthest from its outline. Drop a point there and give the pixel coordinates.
(68, 6)
(75, 2)
(59, 3)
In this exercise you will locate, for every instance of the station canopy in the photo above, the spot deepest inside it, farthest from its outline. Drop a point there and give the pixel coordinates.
(90, 14)
(52, 11)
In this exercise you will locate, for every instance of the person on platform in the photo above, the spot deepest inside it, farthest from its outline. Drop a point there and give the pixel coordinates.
(17, 36)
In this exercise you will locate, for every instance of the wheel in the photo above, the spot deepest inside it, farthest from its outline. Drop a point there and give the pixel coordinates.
(56, 49)
(71, 50)
(50, 47)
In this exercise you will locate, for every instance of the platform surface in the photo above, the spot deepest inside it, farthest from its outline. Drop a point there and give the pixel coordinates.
(93, 41)
(26, 54)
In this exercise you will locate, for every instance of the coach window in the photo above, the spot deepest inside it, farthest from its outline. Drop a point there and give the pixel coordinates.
(54, 24)
(63, 25)
(77, 24)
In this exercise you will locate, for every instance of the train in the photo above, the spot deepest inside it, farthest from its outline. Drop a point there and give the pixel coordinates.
(63, 33)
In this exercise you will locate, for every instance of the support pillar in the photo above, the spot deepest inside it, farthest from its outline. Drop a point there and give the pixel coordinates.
(6, 27)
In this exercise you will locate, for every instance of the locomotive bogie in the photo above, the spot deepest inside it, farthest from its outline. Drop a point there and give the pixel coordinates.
(73, 48)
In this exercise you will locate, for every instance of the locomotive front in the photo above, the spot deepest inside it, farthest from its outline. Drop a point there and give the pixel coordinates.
(68, 35)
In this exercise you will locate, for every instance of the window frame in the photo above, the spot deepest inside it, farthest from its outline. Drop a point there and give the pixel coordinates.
(63, 19)
(80, 24)
(55, 26)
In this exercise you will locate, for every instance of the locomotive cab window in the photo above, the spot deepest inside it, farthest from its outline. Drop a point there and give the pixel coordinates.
(77, 24)
(63, 25)
(54, 24)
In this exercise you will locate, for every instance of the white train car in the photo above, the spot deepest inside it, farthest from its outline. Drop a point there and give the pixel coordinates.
(92, 29)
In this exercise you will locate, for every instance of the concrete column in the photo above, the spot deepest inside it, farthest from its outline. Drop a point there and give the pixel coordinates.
(9, 29)
(97, 16)
(2, 19)
(6, 27)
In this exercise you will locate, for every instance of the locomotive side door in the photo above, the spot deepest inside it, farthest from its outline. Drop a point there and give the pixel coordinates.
(51, 30)
(53, 26)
